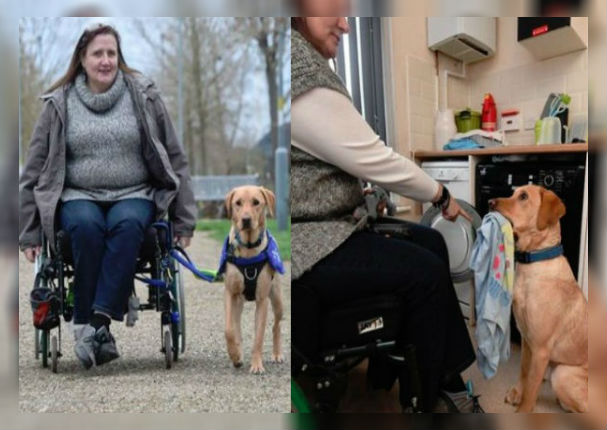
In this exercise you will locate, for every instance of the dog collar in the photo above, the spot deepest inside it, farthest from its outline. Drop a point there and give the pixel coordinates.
(250, 245)
(539, 255)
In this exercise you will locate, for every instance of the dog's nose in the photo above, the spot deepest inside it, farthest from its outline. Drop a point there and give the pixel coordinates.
(492, 204)
(246, 222)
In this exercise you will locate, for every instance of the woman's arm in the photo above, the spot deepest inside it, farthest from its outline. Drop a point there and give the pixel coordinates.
(326, 125)
(29, 217)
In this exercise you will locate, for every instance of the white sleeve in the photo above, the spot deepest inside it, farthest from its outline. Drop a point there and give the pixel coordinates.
(326, 125)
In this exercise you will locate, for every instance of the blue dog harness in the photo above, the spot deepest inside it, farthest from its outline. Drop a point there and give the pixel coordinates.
(539, 255)
(251, 267)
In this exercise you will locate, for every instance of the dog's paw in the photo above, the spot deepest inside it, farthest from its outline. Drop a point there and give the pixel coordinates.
(278, 358)
(257, 367)
(257, 370)
(524, 409)
(235, 355)
(513, 396)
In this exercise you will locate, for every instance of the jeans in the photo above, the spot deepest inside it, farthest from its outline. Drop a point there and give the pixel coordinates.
(415, 269)
(106, 238)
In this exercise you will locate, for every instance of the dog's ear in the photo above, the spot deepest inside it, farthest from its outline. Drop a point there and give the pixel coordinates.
(270, 199)
(551, 209)
(228, 203)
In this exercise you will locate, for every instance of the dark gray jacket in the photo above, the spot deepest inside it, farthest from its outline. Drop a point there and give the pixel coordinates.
(43, 176)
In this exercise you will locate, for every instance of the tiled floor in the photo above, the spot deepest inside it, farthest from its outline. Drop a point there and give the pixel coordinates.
(494, 390)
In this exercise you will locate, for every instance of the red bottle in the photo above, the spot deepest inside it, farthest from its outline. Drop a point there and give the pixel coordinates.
(489, 115)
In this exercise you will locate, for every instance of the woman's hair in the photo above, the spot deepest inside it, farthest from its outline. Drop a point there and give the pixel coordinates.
(296, 22)
(300, 13)
(85, 39)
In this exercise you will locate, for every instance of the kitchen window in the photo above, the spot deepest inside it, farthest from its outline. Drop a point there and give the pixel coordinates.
(359, 63)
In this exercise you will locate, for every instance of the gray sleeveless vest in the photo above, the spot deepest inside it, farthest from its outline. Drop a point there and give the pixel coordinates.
(326, 202)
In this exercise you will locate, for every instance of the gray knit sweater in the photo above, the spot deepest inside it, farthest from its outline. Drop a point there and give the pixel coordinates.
(324, 199)
(104, 152)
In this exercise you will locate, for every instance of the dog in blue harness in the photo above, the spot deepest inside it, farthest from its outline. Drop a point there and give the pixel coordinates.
(250, 261)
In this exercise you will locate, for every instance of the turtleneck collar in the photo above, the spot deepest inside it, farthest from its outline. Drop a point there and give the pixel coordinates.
(102, 101)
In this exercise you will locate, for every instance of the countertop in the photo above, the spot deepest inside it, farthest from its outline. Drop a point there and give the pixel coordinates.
(512, 149)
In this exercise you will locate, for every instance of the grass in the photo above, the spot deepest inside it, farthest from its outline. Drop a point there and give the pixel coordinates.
(219, 228)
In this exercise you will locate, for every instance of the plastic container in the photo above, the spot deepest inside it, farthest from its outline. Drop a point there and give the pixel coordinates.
(444, 128)
(548, 131)
(467, 120)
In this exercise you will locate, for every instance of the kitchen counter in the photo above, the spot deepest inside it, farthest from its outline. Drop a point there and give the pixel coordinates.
(503, 150)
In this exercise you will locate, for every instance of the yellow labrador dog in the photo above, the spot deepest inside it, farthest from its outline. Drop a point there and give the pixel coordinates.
(246, 277)
(549, 307)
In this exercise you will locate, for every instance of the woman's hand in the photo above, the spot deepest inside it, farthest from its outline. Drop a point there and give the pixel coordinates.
(184, 242)
(31, 253)
(453, 210)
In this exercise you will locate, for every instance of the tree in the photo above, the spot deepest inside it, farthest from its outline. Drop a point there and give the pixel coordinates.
(270, 34)
(36, 70)
(216, 56)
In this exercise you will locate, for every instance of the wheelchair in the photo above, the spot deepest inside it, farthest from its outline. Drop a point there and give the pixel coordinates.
(54, 284)
(351, 333)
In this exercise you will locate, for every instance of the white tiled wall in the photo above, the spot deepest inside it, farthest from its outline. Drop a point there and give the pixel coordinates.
(524, 86)
(421, 83)
(527, 87)
(457, 94)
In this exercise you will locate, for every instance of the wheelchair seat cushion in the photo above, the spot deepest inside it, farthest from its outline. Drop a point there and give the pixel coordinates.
(360, 322)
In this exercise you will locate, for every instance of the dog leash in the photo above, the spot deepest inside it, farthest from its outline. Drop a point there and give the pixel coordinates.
(184, 259)
(205, 274)
(270, 254)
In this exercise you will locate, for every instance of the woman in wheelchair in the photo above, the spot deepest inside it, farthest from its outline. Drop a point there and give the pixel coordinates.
(104, 163)
(336, 258)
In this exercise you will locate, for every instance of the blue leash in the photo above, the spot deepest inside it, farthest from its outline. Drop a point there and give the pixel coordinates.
(183, 259)
(207, 275)
(270, 254)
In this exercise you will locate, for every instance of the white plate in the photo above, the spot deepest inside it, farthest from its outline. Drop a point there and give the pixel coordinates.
(459, 237)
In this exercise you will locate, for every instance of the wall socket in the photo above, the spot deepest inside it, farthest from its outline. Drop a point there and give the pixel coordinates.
(529, 119)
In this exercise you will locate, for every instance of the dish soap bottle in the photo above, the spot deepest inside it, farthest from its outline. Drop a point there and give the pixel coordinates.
(489, 115)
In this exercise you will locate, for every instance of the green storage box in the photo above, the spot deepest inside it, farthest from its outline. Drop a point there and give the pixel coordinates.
(467, 119)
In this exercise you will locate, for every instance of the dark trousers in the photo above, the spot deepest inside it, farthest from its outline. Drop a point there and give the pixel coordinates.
(417, 270)
(106, 239)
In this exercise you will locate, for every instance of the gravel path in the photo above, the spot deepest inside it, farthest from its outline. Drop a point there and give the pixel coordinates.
(203, 380)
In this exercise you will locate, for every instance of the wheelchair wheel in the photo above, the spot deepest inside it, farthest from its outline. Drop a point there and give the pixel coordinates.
(44, 347)
(179, 328)
(175, 343)
(299, 403)
(168, 348)
(36, 343)
(54, 354)
(178, 308)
